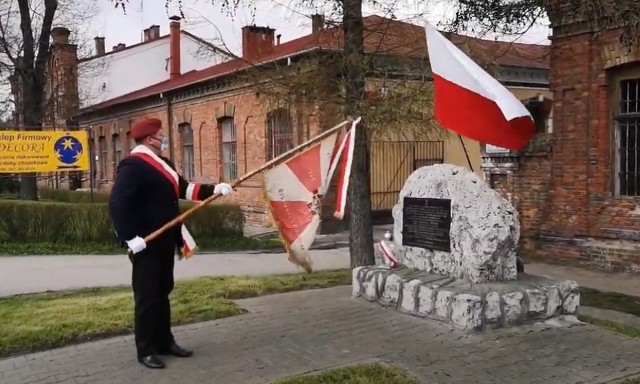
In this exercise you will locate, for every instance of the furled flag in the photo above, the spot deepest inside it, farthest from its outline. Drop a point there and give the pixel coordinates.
(295, 186)
(470, 102)
(388, 257)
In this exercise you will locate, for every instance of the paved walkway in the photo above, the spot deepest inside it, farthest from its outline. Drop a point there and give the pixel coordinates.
(299, 332)
(627, 283)
(28, 274)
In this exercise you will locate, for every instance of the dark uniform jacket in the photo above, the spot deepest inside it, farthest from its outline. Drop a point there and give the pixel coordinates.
(143, 199)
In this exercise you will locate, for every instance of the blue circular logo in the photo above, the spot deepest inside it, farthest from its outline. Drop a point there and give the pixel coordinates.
(68, 150)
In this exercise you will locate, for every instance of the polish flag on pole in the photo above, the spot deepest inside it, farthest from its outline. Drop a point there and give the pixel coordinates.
(295, 185)
(470, 102)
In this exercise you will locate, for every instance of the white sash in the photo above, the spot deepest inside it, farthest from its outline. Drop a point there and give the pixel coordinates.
(189, 245)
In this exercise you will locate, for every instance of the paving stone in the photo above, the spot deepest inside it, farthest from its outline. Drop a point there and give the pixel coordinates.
(294, 333)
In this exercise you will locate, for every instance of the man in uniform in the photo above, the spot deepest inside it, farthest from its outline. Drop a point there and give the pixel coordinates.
(144, 198)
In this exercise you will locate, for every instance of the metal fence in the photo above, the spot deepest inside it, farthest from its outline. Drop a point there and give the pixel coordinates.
(391, 164)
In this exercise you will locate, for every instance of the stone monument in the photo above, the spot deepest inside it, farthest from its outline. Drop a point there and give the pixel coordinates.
(455, 240)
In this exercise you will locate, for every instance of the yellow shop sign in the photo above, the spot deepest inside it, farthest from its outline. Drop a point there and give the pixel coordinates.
(43, 151)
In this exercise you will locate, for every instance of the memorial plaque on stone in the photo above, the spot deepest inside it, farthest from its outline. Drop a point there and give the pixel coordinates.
(426, 223)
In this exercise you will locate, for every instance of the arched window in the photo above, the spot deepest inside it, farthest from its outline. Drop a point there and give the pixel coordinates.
(627, 135)
(229, 149)
(103, 156)
(116, 147)
(188, 154)
(279, 134)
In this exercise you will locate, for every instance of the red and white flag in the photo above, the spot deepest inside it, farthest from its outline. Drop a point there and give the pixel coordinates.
(342, 160)
(295, 186)
(470, 102)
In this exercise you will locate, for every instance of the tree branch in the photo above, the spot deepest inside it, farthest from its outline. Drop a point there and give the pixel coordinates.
(50, 8)
(4, 41)
(27, 32)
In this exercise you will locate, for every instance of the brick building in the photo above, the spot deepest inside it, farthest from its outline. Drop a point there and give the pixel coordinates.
(223, 120)
(577, 185)
(73, 83)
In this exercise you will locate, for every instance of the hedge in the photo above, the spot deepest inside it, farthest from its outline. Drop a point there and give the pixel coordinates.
(63, 222)
(68, 196)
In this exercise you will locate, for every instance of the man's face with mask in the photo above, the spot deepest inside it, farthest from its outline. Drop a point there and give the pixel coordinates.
(158, 142)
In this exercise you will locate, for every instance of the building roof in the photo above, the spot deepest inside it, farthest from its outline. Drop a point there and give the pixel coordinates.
(381, 36)
(159, 38)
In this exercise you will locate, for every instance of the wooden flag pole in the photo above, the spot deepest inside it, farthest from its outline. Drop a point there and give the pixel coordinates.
(180, 218)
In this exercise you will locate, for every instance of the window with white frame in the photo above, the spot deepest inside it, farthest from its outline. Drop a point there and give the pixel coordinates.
(229, 150)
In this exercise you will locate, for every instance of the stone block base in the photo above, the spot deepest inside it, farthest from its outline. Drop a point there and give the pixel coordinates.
(470, 307)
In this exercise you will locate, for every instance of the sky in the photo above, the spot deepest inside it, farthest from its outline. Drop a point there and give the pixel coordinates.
(208, 21)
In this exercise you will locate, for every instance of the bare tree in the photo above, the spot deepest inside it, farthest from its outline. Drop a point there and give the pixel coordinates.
(336, 82)
(25, 33)
(390, 89)
(25, 58)
(516, 17)
(399, 106)
(360, 220)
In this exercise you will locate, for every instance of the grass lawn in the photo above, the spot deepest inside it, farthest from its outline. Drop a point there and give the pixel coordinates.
(66, 248)
(610, 300)
(622, 329)
(40, 321)
(615, 301)
(359, 374)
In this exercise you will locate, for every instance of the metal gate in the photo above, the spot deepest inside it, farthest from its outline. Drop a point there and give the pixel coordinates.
(391, 164)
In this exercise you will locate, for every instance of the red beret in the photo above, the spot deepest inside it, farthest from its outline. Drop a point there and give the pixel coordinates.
(144, 127)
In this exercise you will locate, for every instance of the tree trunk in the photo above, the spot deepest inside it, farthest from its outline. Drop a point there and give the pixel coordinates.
(359, 199)
(31, 70)
(31, 105)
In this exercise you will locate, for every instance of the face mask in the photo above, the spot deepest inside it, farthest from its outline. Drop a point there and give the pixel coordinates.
(165, 144)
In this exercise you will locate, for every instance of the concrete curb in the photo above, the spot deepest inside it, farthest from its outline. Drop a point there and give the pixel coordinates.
(321, 247)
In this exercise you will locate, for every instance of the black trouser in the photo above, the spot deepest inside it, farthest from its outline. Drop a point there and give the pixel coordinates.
(152, 282)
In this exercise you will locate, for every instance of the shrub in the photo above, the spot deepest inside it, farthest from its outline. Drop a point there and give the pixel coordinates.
(68, 196)
(9, 184)
(61, 222)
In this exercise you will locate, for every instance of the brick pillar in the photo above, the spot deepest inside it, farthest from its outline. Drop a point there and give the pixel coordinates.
(62, 70)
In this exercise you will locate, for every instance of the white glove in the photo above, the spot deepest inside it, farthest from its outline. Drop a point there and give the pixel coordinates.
(223, 189)
(137, 244)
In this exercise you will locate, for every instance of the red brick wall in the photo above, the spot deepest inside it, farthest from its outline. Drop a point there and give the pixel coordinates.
(202, 113)
(248, 118)
(61, 89)
(563, 183)
(107, 128)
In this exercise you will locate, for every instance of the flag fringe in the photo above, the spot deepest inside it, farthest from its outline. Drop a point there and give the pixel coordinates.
(305, 264)
(339, 213)
(345, 161)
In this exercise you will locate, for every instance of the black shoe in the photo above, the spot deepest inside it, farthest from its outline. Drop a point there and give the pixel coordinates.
(151, 361)
(176, 350)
